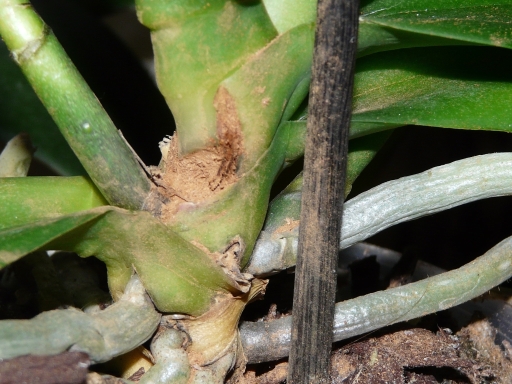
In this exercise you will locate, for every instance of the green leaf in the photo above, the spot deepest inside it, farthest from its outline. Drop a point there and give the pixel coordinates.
(178, 276)
(374, 38)
(361, 153)
(270, 87)
(189, 77)
(20, 241)
(24, 200)
(450, 87)
(391, 24)
(288, 14)
(21, 111)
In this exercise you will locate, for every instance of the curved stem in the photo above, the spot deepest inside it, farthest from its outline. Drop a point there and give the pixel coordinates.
(121, 327)
(266, 341)
(80, 117)
(171, 361)
(426, 193)
(394, 202)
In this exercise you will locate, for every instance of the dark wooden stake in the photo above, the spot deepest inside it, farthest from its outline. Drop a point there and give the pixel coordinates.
(323, 190)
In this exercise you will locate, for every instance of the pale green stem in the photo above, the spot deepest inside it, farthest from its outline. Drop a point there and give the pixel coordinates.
(103, 335)
(267, 341)
(71, 103)
(391, 203)
(171, 360)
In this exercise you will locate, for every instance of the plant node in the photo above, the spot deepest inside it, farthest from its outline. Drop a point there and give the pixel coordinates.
(196, 178)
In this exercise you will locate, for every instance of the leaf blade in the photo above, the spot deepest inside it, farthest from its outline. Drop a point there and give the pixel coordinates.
(448, 87)
(473, 21)
(25, 200)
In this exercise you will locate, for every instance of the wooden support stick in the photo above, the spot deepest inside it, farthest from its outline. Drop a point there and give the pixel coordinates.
(323, 190)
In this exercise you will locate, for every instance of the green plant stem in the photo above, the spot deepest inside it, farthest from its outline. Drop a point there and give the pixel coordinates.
(391, 203)
(171, 361)
(79, 115)
(52, 148)
(121, 327)
(266, 341)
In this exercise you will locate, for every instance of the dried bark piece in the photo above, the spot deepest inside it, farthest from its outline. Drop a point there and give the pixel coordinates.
(64, 368)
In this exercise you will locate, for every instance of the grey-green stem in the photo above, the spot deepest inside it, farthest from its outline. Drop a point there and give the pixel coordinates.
(391, 203)
(267, 341)
(103, 335)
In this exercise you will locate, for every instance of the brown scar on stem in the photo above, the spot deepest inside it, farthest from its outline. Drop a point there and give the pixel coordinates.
(151, 172)
(196, 177)
(288, 226)
(229, 132)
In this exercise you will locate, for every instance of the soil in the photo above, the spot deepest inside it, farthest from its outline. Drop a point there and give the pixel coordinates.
(414, 355)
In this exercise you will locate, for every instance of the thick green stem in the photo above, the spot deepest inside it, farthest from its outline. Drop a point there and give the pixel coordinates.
(81, 118)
